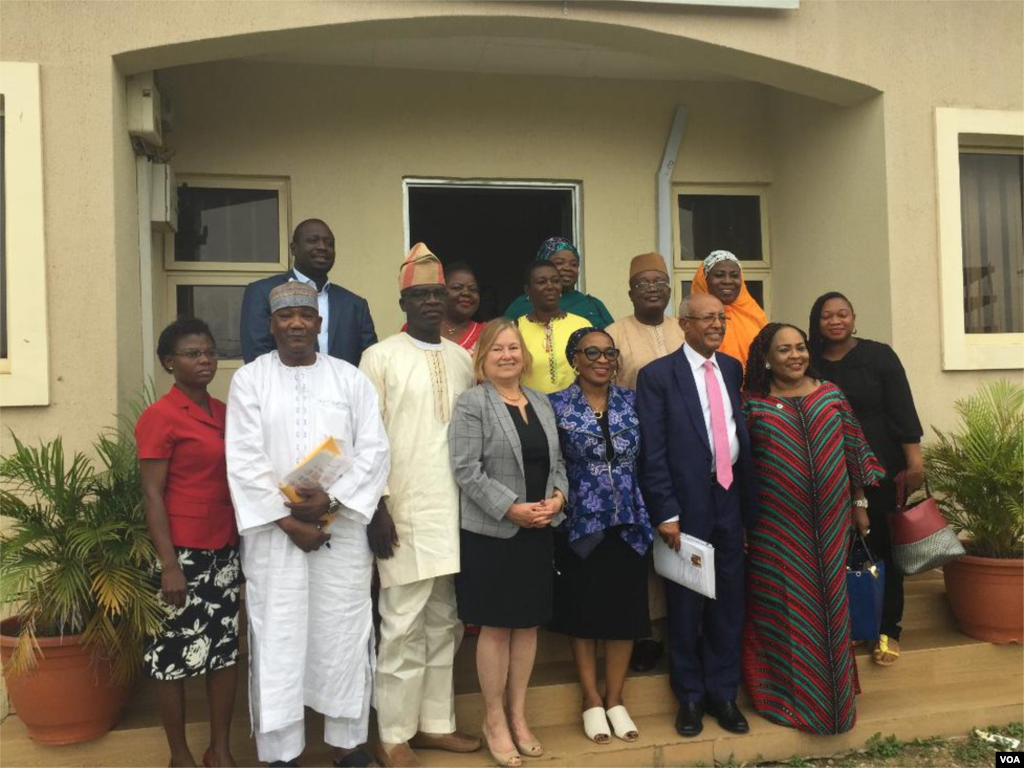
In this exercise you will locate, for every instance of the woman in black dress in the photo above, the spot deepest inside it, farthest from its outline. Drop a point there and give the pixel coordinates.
(873, 380)
(601, 553)
(506, 459)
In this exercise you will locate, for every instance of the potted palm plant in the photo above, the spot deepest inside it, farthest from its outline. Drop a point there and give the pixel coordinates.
(976, 472)
(75, 580)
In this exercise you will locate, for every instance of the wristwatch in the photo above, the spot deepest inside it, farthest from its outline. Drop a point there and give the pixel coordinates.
(334, 507)
(860, 503)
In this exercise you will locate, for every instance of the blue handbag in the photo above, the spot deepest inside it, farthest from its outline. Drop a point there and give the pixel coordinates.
(865, 585)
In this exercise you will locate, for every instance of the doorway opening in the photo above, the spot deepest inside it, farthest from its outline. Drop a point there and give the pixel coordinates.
(495, 226)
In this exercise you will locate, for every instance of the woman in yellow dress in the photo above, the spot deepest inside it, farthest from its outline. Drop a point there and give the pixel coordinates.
(546, 329)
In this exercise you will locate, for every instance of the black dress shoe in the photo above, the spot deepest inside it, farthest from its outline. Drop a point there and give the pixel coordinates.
(690, 719)
(646, 653)
(729, 716)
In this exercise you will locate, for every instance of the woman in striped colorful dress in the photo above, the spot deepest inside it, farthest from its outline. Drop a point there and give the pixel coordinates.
(812, 465)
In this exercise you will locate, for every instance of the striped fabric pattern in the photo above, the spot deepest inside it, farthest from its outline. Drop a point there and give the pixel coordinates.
(798, 658)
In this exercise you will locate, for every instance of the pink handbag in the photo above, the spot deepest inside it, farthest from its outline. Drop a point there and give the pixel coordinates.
(921, 537)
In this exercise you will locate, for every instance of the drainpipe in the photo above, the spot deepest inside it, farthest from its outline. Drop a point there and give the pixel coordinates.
(668, 163)
(143, 191)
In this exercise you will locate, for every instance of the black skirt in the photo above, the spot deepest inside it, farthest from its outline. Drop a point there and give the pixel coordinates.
(506, 582)
(602, 597)
(202, 635)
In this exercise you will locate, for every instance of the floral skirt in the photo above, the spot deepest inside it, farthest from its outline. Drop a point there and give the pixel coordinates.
(202, 635)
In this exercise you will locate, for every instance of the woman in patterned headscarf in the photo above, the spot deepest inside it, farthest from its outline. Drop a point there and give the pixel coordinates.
(721, 276)
(566, 258)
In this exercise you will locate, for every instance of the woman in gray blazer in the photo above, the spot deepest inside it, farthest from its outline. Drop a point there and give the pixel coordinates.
(505, 456)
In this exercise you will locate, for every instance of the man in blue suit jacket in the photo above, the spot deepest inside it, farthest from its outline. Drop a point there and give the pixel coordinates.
(347, 326)
(697, 478)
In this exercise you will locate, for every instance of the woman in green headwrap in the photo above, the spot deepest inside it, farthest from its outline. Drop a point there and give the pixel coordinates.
(563, 254)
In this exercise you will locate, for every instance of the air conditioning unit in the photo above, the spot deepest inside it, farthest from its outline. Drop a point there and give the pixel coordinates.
(144, 115)
(163, 199)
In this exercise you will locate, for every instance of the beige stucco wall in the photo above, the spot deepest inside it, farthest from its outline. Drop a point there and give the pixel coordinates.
(829, 228)
(919, 54)
(375, 127)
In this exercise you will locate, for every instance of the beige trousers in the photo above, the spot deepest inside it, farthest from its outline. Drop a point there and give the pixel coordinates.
(419, 634)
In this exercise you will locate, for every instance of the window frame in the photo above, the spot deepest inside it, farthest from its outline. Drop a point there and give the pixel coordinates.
(278, 184)
(957, 131)
(25, 372)
(760, 269)
(173, 281)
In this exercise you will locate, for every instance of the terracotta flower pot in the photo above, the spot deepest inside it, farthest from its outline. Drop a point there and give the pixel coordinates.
(987, 597)
(65, 699)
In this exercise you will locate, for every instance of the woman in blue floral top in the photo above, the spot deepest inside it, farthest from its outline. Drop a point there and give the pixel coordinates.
(601, 552)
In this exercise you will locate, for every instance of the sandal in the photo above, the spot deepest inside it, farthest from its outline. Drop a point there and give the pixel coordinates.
(510, 759)
(886, 652)
(528, 748)
(595, 725)
(622, 723)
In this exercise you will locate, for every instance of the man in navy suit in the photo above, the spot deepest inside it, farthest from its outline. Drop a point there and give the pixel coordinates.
(697, 478)
(347, 326)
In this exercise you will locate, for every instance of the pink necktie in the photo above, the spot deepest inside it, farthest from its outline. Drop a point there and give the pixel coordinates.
(723, 456)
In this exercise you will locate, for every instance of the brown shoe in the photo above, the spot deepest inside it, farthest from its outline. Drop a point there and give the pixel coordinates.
(449, 742)
(396, 755)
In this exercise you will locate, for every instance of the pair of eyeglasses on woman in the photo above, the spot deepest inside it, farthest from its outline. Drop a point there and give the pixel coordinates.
(593, 354)
(195, 354)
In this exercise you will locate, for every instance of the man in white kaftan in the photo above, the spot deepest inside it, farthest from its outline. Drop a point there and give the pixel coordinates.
(418, 377)
(311, 640)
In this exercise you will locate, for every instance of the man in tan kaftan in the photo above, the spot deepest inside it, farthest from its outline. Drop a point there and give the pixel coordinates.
(647, 334)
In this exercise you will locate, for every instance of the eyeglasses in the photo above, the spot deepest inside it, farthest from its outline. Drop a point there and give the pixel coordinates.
(426, 294)
(709, 319)
(195, 354)
(593, 354)
(658, 285)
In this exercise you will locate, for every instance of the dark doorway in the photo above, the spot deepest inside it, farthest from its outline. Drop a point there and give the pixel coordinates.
(496, 228)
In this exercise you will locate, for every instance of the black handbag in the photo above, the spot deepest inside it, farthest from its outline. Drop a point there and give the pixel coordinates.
(865, 586)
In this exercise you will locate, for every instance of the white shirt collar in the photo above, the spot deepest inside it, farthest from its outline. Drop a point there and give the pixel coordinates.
(301, 278)
(696, 359)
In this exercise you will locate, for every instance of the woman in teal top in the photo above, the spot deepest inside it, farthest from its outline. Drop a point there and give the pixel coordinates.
(566, 258)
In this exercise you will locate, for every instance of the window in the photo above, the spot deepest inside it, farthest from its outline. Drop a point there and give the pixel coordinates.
(3, 236)
(231, 232)
(993, 241)
(980, 172)
(230, 224)
(723, 217)
(24, 364)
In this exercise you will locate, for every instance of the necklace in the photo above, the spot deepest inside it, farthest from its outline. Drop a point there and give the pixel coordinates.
(598, 414)
(517, 400)
(549, 342)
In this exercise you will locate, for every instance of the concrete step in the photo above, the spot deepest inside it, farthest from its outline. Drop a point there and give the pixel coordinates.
(928, 657)
(912, 712)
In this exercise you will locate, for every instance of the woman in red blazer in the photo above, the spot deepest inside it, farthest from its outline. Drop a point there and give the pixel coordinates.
(180, 441)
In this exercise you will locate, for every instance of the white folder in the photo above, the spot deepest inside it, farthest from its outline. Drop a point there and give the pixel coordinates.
(693, 566)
